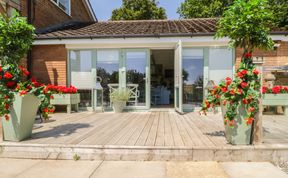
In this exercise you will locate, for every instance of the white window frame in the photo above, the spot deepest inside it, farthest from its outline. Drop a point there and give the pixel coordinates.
(57, 3)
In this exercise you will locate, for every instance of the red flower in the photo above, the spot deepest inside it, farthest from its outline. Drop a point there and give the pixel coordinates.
(256, 72)
(286, 89)
(244, 72)
(0, 77)
(243, 85)
(232, 92)
(51, 111)
(7, 75)
(207, 104)
(10, 84)
(6, 106)
(245, 101)
(1, 69)
(52, 97)
(249, 121)
(232, 123)
(239, 74)
(276, 89)
(45, 110)
(6, 97)
(23, 92)
(7, 117)
(264, 89)
(228, 81)
(240, 91)
(224, 89)
(251, 109)
(248, 55)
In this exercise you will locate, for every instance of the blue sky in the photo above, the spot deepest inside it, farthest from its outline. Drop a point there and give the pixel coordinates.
(103, 8)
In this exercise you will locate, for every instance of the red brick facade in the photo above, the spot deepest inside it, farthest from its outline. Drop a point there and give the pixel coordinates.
(274, 58)
(45, 13)
(49, 64)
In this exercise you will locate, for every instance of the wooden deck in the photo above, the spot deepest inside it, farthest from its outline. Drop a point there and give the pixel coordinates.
(154, 131)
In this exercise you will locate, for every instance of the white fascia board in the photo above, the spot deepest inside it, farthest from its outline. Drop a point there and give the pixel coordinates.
(136, 42)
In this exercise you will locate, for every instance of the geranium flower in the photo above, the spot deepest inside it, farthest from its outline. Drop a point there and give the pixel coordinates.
(0, 77)
(228, 81)
(6, 97)
(240, 91)
(7, 117)
(1, 69)
(276, 90)
(243, 85)
(251, 109)
(245, 101)
(45, 110)
(232, 91)
(239, 74)
(248, 55)
(232, 123)
(264, 89)
(23, 92)
(244, 72)
(8, 75)
(52, 97)
(224, 89)
(10, 84)
(256, 72)
(6, 106)
(249, 120)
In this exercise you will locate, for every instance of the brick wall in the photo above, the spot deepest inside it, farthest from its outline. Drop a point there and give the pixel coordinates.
(46, 13)
(274, 58)
(49, 64)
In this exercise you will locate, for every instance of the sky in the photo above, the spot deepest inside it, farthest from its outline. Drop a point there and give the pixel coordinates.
(103, 8)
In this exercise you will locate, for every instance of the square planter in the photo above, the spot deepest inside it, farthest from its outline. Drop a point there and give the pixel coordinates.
(22, 117)
(241, 133)
(276, 100)
(66, 99)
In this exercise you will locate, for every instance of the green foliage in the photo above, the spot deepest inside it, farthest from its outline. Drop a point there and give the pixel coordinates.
(120, 95)
(280, 11)
(139, 10)
(247, 23)
(16, 38)
(203, 8)
(76, 157)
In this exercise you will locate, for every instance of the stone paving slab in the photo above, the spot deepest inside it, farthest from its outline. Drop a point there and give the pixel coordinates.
(195, 170)
(60, 169)
(252, 169)
(130, 169)
(24, 168)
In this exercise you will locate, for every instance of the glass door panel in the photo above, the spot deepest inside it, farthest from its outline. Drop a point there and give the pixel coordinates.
(178, 78)
(81, 76)
(193, 65)
(136, 64)
(107, 66)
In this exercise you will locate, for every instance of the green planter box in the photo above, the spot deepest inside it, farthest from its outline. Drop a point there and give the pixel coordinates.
(241, 133)
(66, 99)
(22, 117)
(276, 100)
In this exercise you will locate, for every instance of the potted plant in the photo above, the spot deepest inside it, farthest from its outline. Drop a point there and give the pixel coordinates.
(63, 95)
(247, 24)
(276, 96)
(19, 97)
(119, 98)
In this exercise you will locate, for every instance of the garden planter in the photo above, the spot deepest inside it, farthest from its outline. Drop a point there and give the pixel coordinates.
(118, 106)
(276, 100)
(66, 99)
(22, 117)
(241, 133)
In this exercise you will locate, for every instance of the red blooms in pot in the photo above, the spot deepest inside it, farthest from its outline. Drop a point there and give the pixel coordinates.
(224, 89)
(10, 84)
(23, 92)
(249, 120)
(251, 109)
(228, 81)
(232, 92)
(8, 75)
(248, 55)
(245, 101)
(243, 85)
(7, 117)
(276, 89)
(256, 72)
(1, 69)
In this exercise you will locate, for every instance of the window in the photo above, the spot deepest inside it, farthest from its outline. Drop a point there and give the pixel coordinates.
(63, 4)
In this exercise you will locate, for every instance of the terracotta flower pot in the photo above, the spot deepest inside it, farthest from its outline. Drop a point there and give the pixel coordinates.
(241, 133)
(22, 117)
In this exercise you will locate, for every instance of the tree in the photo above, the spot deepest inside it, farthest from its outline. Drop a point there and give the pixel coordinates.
(139, 10)
(203, 8)
(216, 8)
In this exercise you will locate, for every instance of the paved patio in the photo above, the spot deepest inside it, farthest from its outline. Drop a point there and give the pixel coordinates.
(129, 133)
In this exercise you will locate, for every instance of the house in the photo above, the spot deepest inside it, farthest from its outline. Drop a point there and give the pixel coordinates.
(167, 63)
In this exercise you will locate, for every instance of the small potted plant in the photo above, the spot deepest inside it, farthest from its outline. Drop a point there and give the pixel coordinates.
(119, 98)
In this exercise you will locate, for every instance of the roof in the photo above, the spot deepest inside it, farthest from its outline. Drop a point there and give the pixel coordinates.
(139, 28)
